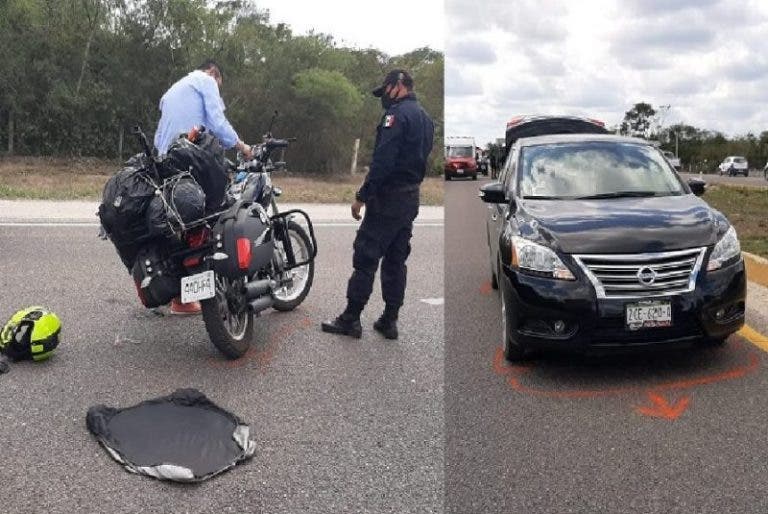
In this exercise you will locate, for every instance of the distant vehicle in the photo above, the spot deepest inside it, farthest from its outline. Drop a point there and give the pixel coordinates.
(460, 158)
(482, 161)
(734, 165)
(674, 161)
(482, 165)
(765, 171)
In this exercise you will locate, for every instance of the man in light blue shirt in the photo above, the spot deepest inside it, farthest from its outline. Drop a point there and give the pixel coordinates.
(195, 100)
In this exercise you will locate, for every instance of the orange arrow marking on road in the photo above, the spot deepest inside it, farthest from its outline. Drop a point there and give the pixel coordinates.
(661, 408)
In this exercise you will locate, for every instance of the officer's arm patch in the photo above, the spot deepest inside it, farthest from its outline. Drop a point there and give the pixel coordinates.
(389, 120)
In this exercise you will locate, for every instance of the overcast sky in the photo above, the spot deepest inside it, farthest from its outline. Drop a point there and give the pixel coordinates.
(707, 59)
(394, 26)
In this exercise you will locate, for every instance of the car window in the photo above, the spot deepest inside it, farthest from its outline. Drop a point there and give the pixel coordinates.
(460, 151)
(585, 169)
(509, 178)
(503, 174)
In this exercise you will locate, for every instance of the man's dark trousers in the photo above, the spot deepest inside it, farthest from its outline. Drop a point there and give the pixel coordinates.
(385, 236)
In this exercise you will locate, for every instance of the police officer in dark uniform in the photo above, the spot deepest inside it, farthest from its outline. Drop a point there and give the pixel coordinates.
(390, 195)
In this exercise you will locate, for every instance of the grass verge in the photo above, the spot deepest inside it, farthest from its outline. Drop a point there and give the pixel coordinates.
(83, 179)
(747, 209)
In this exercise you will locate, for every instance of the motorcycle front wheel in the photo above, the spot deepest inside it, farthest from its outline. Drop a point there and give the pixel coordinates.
(228, 320)
(287, 297)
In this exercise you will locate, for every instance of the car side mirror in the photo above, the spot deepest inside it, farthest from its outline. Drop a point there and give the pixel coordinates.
(697, 186)
(493, 192)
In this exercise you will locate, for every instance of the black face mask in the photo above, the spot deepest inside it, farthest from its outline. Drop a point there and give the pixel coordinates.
(386, 101)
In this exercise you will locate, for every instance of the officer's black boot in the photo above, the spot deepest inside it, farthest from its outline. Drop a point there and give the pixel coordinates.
(347, 324)
(386, 325)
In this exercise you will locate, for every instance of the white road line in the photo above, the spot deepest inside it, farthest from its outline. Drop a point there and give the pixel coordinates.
(433, 301)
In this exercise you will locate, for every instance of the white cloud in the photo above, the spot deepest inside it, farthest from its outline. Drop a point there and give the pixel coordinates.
(471, 51)
(597, 58)
(365, 24)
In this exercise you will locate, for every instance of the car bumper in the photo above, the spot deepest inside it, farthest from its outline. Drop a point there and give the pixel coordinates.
(595, 325)
(466, 172)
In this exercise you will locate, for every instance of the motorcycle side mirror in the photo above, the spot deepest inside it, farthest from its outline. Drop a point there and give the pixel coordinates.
(697, 186)
(271, 123)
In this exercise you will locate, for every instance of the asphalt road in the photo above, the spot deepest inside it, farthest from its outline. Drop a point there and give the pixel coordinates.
(341, 425)
(597, 435)
(756, 178)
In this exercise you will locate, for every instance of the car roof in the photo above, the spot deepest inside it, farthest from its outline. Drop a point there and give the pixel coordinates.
(580, 138)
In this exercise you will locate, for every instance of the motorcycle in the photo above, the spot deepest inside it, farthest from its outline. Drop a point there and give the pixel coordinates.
(246, 257)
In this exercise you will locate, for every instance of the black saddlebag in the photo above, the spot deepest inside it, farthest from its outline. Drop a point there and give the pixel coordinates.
(246, 239)
(157, 281)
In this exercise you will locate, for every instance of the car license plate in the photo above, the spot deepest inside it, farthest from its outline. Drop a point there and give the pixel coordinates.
(460, 171)
(648, 315)
(200, 286)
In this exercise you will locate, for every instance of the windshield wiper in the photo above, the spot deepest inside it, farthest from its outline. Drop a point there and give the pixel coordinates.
(621, 194)
(541, 197)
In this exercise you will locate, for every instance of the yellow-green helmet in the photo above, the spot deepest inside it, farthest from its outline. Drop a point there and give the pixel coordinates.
(31, 333)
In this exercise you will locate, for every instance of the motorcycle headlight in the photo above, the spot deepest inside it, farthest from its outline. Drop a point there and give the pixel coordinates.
(727, 249)
(538, 259)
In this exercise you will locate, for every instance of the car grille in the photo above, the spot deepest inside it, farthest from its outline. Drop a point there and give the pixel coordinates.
(644, 274)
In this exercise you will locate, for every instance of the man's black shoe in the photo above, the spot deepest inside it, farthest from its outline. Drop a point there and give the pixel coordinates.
(344, 326)
(386, 327)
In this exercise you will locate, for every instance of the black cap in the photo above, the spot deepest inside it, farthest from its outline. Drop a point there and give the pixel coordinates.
(391, 79)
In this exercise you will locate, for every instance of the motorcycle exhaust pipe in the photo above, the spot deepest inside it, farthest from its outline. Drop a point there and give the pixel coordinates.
(260, 304)
(259, 288)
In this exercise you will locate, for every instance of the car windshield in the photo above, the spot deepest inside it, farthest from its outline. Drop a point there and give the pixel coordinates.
(740, 160)
(459, 151)
(595, 170)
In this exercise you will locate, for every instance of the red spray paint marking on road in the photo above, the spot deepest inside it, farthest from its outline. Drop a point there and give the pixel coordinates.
(486, 288)
(262, 355)
(661, 408)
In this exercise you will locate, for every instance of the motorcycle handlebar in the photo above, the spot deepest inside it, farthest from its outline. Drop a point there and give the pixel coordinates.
(277, 143)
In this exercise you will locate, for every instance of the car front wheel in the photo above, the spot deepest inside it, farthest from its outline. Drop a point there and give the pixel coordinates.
(512, 351)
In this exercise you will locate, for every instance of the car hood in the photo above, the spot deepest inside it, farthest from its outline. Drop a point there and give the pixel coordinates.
(621, 225)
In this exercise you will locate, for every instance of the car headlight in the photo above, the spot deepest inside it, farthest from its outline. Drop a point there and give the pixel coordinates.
(538, 259)
(728, 248)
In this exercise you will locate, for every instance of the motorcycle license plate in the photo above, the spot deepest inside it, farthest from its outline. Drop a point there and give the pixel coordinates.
(648, 315)
(200, 286)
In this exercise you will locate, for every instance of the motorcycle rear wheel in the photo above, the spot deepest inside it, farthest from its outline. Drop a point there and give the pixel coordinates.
(228, 320)
(288, 298)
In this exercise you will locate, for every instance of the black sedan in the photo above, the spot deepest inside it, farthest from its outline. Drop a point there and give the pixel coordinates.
(596, 244)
